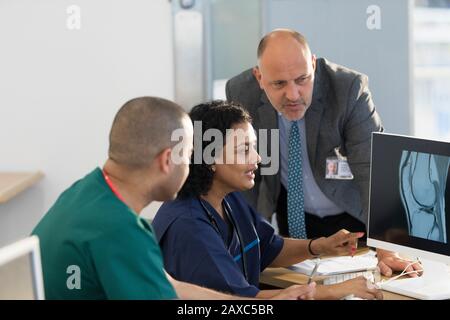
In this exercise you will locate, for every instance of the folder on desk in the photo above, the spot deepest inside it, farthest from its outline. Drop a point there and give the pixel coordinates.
(338, 265)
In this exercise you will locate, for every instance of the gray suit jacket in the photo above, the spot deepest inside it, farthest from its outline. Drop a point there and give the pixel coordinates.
(342, 114)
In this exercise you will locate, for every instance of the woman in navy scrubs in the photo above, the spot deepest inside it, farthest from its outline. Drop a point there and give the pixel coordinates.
(212, 237)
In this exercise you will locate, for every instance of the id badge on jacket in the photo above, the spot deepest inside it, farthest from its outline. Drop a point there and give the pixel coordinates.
(337, 167)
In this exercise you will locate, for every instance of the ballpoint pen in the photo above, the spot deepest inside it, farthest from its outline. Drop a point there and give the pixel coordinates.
(314, 271)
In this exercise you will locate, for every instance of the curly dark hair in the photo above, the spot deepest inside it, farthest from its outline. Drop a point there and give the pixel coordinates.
(218, 114)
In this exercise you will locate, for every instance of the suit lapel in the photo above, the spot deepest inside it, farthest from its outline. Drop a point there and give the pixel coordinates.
(312, 122)
(314, 114)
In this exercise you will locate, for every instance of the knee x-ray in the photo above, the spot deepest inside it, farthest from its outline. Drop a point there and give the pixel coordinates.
(423, 180)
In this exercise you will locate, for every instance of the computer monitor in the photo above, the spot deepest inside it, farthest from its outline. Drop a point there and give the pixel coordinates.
(409, 209)
(21, 271)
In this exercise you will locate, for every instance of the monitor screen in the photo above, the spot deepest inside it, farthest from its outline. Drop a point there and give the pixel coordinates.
(21, 271)
(409, 207)
(17, 279)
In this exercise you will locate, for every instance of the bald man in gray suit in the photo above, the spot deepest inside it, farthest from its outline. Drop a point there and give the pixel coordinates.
(333, 109)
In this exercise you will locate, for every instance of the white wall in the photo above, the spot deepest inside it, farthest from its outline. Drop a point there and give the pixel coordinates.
(60, 89)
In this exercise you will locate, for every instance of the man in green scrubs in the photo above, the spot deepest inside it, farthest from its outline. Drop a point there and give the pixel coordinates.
(93, 243)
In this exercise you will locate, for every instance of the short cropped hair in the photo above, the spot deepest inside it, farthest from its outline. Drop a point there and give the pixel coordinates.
(142, 129)
(219, 115)
(296, 35)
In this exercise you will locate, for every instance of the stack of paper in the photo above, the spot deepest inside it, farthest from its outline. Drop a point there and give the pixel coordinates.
(337, 265)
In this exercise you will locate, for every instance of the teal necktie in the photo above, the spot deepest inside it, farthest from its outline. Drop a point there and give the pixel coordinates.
(296, 210)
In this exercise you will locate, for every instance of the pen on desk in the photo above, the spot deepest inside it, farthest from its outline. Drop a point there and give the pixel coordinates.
(314, 271)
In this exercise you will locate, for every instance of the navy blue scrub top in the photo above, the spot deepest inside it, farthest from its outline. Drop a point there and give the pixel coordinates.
(195, 252)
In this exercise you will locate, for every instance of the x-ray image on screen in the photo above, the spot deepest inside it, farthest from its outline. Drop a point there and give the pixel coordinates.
(422, 184)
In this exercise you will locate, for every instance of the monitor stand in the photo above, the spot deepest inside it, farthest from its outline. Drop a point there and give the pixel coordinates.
(434, 284)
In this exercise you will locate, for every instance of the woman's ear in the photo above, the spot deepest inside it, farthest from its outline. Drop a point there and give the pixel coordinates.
(213, 168)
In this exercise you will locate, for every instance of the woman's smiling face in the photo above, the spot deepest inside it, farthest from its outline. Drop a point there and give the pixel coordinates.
(237, 161)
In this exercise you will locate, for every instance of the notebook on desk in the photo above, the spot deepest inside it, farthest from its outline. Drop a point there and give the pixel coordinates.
(338, 265)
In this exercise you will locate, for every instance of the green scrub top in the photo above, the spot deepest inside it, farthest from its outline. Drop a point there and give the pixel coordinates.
(93, 246)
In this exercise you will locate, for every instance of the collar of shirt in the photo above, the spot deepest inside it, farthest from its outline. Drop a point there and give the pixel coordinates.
(285, 124)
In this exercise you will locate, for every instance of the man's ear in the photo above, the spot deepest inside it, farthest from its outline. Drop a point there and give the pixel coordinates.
(257, 75)
(313, 58)
(164, 160)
